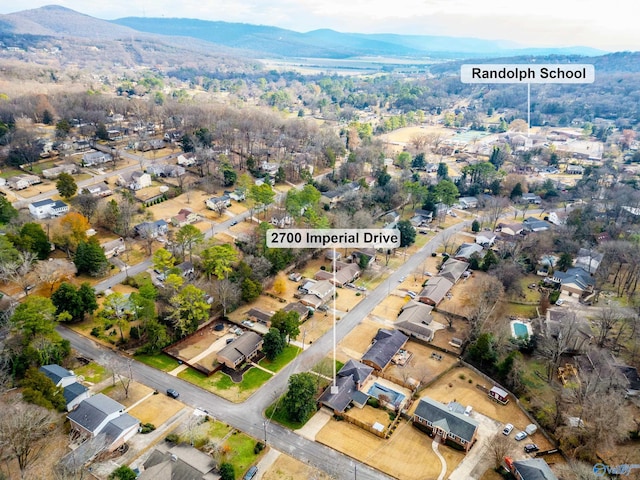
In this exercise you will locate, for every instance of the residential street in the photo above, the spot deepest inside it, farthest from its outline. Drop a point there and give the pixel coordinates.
(247, 416)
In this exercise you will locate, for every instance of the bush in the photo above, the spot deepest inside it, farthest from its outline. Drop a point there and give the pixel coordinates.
(258, 448)
(172, 437)
(95, 331)
(470, 381)
(147, 428)
(226, 472)
(462, 376)
(134, 333)
(373, 402)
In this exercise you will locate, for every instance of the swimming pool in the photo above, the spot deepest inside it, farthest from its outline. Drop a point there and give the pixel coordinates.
(520, 329)
(393, 397)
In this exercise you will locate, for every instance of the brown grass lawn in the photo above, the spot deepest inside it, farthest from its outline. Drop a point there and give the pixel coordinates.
(287, 468)
(137, 391)
(357, 342)
(407, 454)
(453, 388)
(370, 415)
(421, 366)
(156, 409)
(405, 134)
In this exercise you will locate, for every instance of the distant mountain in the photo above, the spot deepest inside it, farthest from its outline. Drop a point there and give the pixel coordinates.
(328, 43)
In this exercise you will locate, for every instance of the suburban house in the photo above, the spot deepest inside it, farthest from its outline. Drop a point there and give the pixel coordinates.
(447, 426)
(151, 144)
(349, 380)
(100, 415)
(486, 240)
(530, 469)
(510, 228)
(531, 224)
(20, 182)
(91, 159)
(281, 219)
(466, 250)
(575, 169)
(414, 320)
(48, 208)
(180, 461)
(165, 170)
(134, 180)
(299, 308)
(241, 350)
(364, 256)
(186, 269)
(151, 229)
(453, 269)
(574, 281)
(113, 248)
(385, 345)
(51, 173)
(468, 202)
(218, 203)
(236, 195)
(345, 273)
(187, 159)
(435, 290)
(260, 316)
(98, 190)
(73, 392)
(588, 260)
(499, 395)
(421, 218)
(318, 294)
(185, 217)
(531, 198)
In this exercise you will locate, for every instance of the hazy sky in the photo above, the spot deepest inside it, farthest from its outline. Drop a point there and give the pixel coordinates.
(560, 23)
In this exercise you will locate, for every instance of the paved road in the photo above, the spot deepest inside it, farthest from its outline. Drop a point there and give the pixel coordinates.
(247, 416)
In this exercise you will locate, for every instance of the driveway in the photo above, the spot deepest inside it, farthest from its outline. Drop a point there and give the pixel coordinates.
(479, 458)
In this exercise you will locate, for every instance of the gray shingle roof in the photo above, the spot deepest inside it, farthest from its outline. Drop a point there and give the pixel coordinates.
(93, 411)
(359, 371)
(339, 401)
(386, 345)
(55, 372)
(452, 422)
(534, 469)
(73, 391)
(117, 426)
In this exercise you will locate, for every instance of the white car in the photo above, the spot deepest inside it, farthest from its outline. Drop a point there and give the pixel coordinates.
(559, 302)
(507, 429)
(520, 436)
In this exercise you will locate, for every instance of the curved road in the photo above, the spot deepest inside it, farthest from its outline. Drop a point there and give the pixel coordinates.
(247, 416)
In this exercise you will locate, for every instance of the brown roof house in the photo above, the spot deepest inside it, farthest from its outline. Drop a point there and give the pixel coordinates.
(179, 462)
(453, 269)
(447, 426)
(435, 290)
(385, 345)
(414, 320)
(345, 273)
(318, 293)
(241, 350)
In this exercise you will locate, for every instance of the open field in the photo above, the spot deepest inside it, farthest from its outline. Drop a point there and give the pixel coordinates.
(288, 468)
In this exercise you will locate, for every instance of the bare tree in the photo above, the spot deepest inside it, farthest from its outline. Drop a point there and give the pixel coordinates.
(558, 340)
(494, 208)
(227, 294)
(607, 319)
(21, 271)
(53, 271)
(22, 431)
(499, 446)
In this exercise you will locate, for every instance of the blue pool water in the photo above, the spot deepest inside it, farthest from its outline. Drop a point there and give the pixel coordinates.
(395, 398)
(520, 329)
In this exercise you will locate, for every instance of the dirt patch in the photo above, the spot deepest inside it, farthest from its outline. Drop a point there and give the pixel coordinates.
(407, 454)
(287, 468)
(156, 409)
(196, 344)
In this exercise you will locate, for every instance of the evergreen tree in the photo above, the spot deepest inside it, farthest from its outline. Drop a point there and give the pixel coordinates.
(407, 233)
(273, 343)
(66, 185)
(299, 402)
(7, 211)
(90, 258)
(516, 191)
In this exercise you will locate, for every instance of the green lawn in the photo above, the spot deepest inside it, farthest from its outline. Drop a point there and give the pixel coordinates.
(161, 361)
(325, 367)
(241, 454)
(289, 353)
(279, 415)
(253, 379)
(92, 372)
(8, 172)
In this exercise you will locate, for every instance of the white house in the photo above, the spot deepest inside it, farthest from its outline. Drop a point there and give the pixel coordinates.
(134, 180)
(113, 248)
(217, 203)
(90, 159)
(48, 208)
(74, 392)
(187, 159)
(54, 172)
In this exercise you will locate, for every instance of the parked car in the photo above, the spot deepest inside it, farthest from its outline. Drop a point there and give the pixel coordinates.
(247, 323)
(172, 393)
(235, 222)
(250, 473)
(521, 436)
(559, 302)
(507, 429)
(402, 279)
(531, 447)
(411, 294)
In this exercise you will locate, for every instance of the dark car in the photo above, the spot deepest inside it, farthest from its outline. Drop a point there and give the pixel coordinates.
(172, 393)
(531, 447)
(250, 473)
